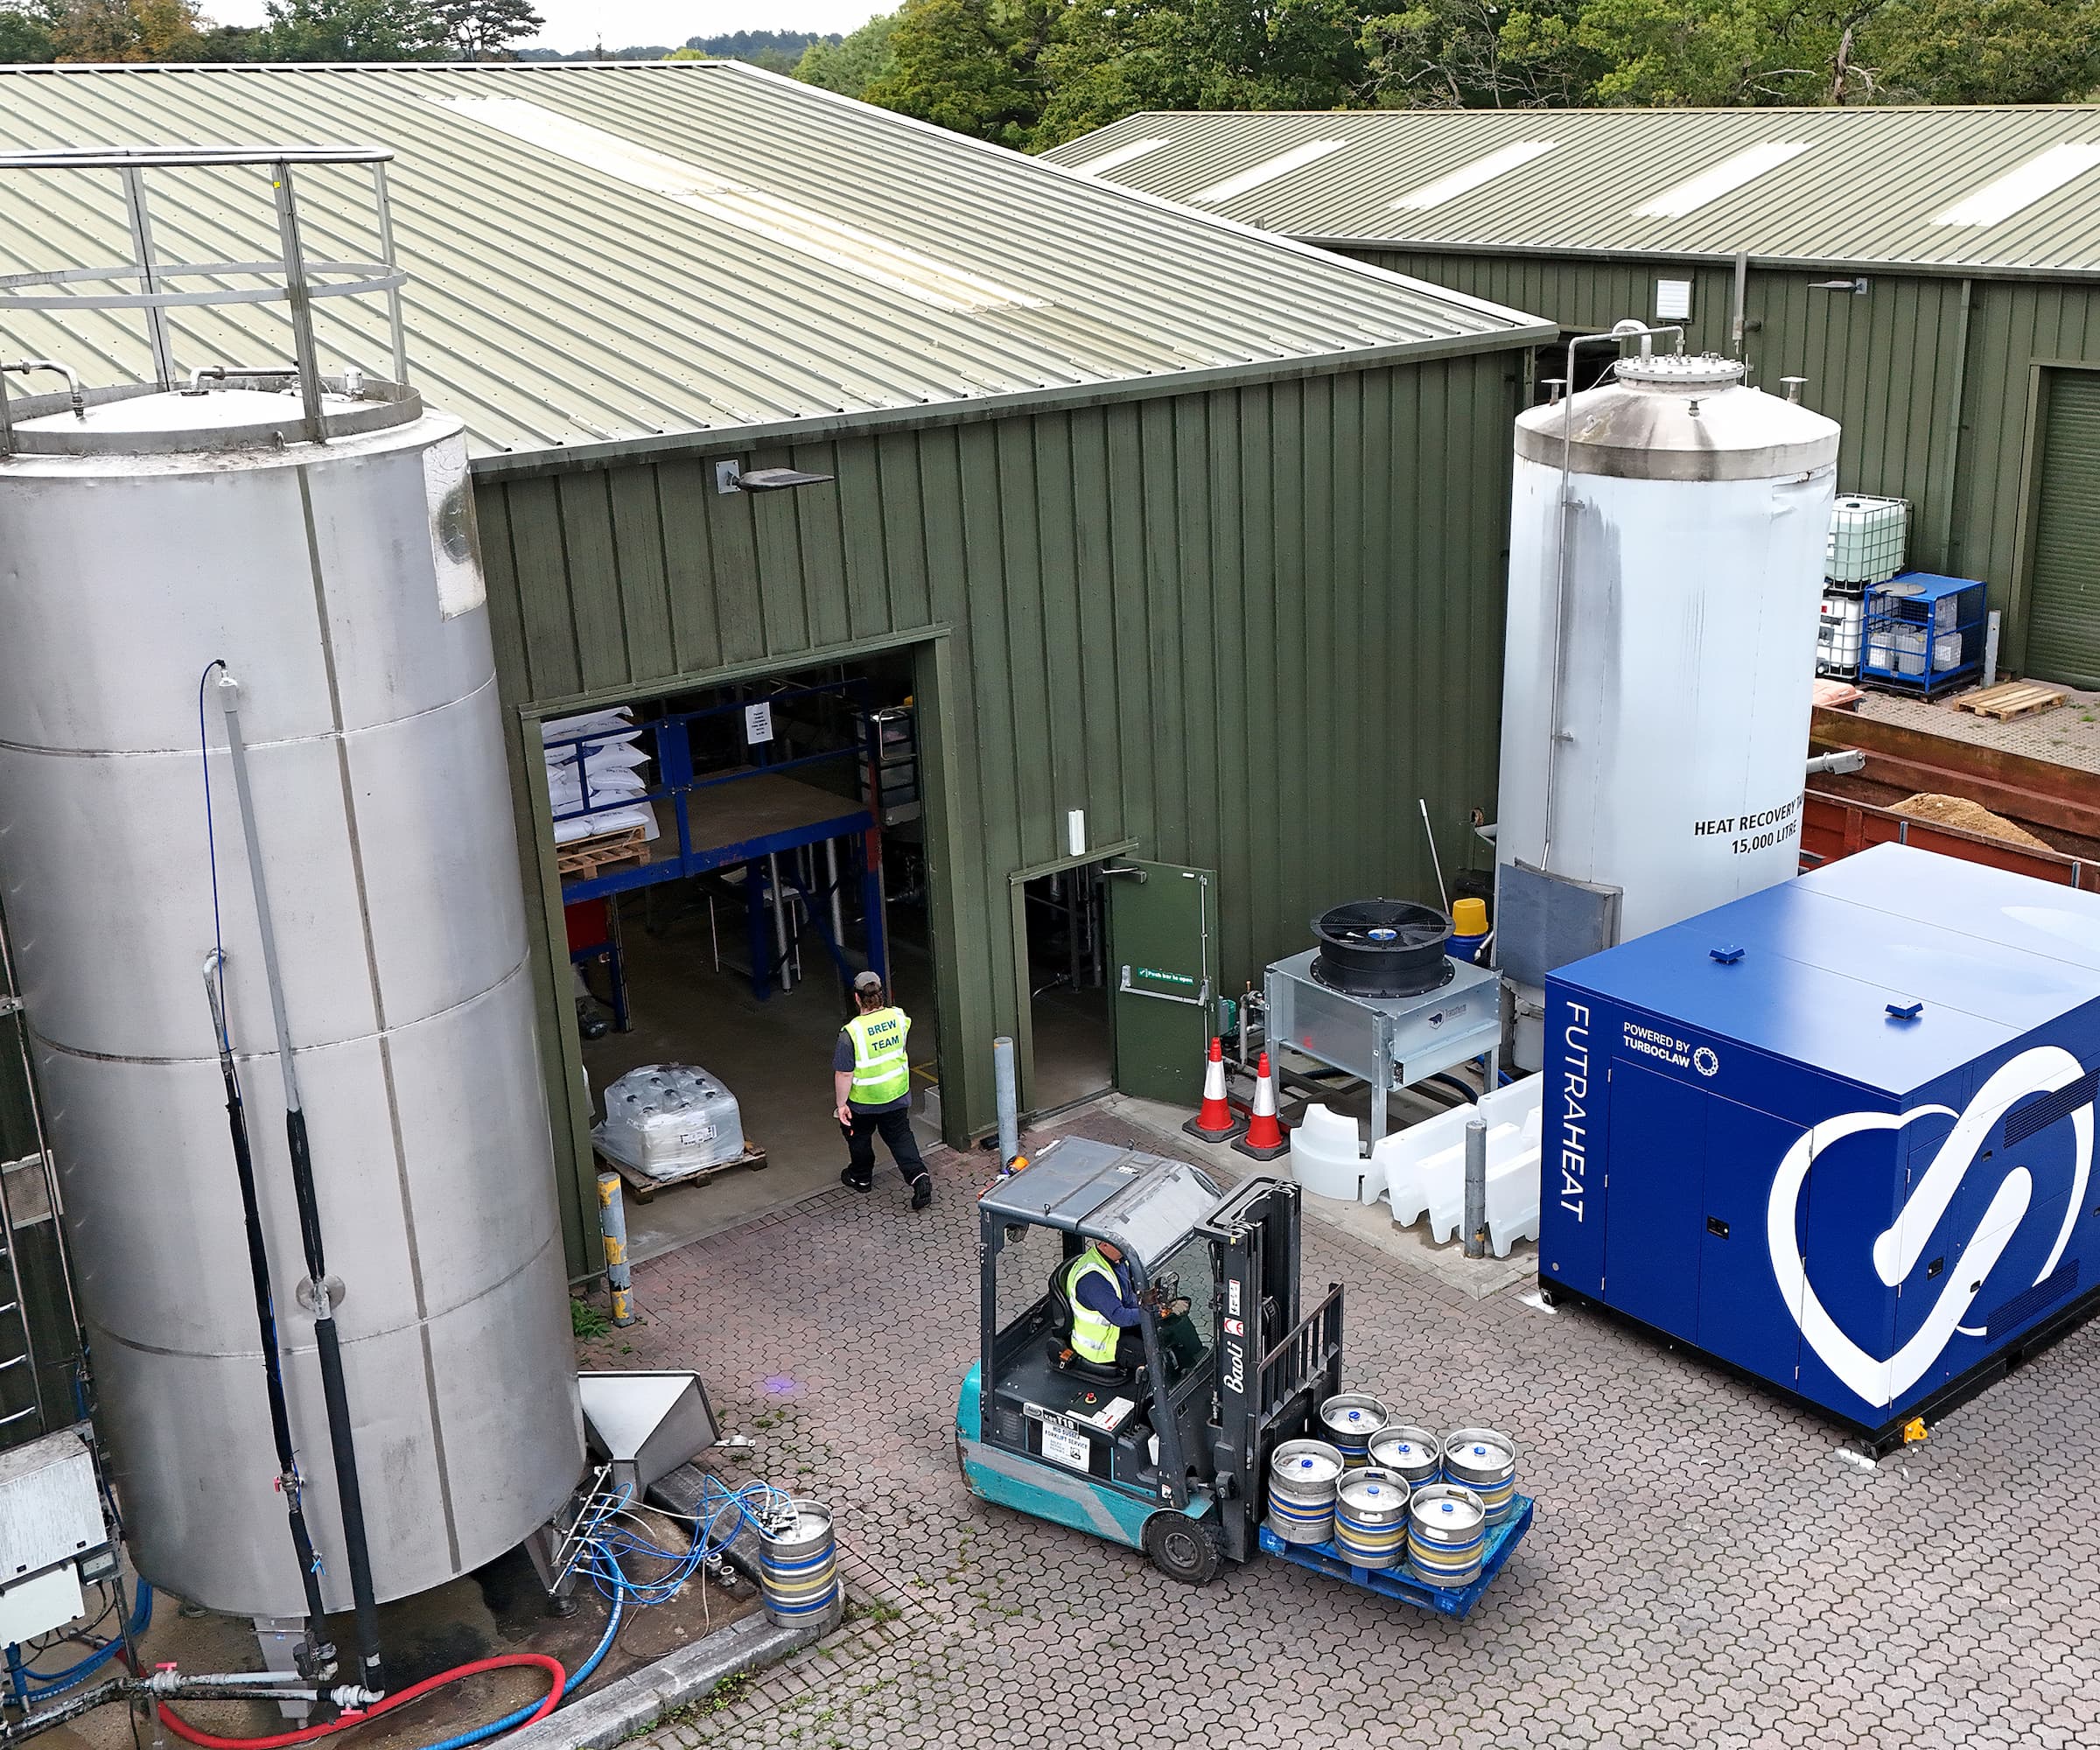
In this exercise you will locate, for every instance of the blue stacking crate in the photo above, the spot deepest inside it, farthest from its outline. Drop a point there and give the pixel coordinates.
(1838, 1135)
(1923, 634)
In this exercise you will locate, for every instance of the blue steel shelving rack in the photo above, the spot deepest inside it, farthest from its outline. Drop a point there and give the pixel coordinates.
(779, 823)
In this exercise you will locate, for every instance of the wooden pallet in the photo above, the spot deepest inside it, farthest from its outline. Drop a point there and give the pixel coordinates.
(591, 856)
(644, 1186)
(2010, 699)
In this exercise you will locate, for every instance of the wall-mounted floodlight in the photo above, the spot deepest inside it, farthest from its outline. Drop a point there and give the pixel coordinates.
(1856, 287)
(735, 477)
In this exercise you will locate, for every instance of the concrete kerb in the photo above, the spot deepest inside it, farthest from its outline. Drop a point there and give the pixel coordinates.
(637, 1702)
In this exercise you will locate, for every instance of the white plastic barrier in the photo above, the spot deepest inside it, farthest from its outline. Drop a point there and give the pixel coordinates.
(1421, 1171)
(1326, 1154)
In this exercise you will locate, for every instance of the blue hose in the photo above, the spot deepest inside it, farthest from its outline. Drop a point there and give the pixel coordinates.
(56, 1683)
(577, 1679)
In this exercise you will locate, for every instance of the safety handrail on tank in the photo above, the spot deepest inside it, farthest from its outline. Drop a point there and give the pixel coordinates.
(1619, 334)
(291, 278)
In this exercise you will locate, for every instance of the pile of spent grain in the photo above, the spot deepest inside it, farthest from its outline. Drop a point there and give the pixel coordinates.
(1959, 811)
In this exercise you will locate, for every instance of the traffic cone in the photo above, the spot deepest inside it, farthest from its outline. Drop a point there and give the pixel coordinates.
(1264, 1140)
(1217, 1123)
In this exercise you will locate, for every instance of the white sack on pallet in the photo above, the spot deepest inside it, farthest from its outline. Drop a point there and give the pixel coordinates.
(614, 754)
(607, 769)
(607, 819)
(590, 722)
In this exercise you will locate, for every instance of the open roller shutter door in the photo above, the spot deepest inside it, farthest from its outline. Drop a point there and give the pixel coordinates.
(2063, 595)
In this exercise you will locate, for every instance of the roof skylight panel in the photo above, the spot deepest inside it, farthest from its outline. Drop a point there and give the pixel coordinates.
(1723, 177)
(1129, 152)
(1468, 177)
(819, 237)
(1245, 182)
(2022, 186)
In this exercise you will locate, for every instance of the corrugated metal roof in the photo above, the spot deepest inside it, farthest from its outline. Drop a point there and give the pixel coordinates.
(1836, 187)
(601, 253)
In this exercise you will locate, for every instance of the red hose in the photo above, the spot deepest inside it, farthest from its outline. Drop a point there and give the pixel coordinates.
(557, 1680)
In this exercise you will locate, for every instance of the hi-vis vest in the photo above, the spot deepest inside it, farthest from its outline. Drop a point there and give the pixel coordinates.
(1093, 1336)
(882, 1070)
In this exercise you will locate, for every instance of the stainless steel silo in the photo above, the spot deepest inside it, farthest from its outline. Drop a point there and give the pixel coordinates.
(140, 542)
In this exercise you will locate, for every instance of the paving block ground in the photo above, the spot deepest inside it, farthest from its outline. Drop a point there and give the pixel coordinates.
(1705, 1569)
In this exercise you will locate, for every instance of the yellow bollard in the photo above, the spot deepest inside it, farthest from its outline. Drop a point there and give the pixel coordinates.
(613, 1228)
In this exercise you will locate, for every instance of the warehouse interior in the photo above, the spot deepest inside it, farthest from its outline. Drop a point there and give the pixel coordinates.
(1065, 941)
(730, 855)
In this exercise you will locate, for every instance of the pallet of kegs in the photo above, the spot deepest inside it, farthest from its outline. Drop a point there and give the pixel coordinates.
(1350, 1420)
(798, 1567)
(1302, 1476)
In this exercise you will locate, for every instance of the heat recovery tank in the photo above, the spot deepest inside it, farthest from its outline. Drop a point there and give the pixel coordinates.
(1666, 559)
(340, 585)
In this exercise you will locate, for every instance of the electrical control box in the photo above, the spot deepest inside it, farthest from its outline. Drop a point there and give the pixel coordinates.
(1837, 1134)
(51, 1527)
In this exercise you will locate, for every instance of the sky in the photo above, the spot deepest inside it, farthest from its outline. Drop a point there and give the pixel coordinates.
(581, 24)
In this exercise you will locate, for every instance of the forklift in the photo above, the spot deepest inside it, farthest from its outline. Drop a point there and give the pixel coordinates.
(1169, 1453)
(1165, 1455)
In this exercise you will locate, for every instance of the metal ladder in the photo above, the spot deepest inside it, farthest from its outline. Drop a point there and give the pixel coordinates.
(24, 1412)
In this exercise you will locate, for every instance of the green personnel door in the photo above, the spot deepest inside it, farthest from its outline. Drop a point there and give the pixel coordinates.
(2063, 583)
(1163, 972)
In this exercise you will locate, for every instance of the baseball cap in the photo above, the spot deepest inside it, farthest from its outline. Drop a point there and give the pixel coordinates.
(867, 981)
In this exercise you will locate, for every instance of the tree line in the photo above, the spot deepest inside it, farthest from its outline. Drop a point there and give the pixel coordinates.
(37, 30)
(775, 51)
(42, 30)
(1032, 73)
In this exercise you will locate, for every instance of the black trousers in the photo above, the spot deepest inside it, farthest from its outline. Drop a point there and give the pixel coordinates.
(896, 1128)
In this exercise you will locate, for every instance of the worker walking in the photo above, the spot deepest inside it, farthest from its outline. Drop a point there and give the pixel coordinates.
(872, 1090)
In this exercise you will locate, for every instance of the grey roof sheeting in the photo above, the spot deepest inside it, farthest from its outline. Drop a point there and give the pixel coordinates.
(1867, 187)
(601, 254)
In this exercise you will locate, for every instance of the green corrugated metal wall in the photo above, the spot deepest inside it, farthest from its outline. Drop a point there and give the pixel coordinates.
(2063, 575)
(1887, 364)
(1245, 627)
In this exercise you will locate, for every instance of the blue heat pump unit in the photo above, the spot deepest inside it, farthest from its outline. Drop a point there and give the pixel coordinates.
(1838, 1135)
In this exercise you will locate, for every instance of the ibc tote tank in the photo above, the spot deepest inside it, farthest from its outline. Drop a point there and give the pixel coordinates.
(1663, 752)
(340, 584)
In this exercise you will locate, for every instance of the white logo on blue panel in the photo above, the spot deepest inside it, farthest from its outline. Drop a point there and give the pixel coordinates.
(1881, 1381)
(1705, 1062)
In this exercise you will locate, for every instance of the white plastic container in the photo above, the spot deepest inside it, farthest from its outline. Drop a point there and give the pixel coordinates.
(668, 1119)
(1837, 632)
(1866, 539)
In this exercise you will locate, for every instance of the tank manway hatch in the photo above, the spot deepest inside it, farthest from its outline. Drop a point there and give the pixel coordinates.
(302, 528)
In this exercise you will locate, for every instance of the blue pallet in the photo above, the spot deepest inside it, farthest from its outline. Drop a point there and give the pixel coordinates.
(1325, 1558)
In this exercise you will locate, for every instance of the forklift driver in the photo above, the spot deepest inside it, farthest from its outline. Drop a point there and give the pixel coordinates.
(1108, 1313)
